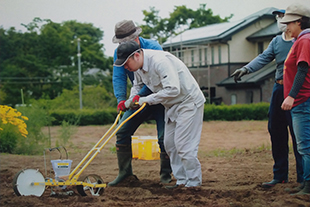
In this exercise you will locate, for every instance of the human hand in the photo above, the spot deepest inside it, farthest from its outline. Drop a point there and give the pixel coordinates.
(136, 99)
(287, 104)
(135, 102)
(142, 100)
(128, 103)
(121, 106)
(239, 73)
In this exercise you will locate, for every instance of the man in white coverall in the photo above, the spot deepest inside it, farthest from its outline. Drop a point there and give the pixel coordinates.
(176, 89)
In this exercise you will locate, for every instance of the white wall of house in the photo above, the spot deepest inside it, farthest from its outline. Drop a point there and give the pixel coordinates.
(242, 50)
(217, 55)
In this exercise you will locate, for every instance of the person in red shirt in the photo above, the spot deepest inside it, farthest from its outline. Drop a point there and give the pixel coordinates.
(296, 83)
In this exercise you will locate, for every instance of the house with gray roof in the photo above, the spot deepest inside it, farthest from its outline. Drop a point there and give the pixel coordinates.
(214, 52)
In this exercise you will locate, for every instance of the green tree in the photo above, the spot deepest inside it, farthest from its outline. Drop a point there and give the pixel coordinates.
(94, 97)
(43, 60)
(180, 19)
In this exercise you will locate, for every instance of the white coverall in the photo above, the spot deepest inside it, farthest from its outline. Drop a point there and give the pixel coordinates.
(176, 89)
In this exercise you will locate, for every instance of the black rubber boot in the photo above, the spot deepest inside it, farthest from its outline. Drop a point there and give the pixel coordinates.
(296, 189)
(124, 157)
(165, 168)
(305, 190)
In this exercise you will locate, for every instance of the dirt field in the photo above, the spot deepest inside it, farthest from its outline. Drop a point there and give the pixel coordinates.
(235, 159)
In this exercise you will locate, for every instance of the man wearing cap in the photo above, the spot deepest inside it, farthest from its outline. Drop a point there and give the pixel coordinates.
(176, 89)
(125, 31)
(297, 84)
(278, 120)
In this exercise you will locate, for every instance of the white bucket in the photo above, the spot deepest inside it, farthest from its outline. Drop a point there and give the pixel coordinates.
(61, 167)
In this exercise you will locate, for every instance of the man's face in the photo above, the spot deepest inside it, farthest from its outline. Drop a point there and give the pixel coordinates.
(132, 64)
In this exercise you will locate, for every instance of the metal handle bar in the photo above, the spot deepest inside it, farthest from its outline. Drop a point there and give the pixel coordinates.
(97, 149)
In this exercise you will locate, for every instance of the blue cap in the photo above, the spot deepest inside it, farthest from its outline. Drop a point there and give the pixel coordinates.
(280, 11)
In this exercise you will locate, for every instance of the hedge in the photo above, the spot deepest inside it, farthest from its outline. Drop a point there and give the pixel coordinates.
(257, 111)
(84, 117)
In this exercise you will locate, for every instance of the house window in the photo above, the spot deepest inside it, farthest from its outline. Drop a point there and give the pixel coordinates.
(260, 47)
(193, 57)
(220, 56)
(233, 99)
(200, 57)
(249, 97)
(212, 55)
(206, 56)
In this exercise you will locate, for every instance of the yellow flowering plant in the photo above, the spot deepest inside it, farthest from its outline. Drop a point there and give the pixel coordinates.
(12, 125)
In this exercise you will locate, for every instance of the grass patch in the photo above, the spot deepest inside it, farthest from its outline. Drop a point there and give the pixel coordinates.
(234, 151)
(113, 149)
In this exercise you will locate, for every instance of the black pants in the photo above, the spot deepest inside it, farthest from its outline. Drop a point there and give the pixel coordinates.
(278, 123)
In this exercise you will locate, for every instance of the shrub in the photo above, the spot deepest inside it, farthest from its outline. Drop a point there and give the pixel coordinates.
(84, 117)
(36, 141)
(12, 128)
(93, 97)
(65, 132)
(255, 111)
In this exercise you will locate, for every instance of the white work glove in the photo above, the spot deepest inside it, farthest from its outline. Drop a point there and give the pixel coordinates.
(239, 73)
(137, 101)
(127, 103)
(142, 100)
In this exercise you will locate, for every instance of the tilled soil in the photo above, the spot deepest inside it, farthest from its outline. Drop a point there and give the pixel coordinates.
(235, 159)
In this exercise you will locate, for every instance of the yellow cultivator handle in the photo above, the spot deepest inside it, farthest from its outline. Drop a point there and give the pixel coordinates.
(96, 149)
(32, 182)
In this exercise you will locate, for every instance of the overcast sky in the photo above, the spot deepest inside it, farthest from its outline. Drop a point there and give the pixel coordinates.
(104, 14)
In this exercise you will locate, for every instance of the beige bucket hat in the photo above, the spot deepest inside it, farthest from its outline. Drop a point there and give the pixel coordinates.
(125, 30)
(295, 12)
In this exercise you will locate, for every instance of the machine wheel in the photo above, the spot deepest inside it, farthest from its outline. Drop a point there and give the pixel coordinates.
(85, 190)
(23, 183)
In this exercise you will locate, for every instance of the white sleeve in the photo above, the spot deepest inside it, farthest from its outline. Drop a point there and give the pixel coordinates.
(170, 83)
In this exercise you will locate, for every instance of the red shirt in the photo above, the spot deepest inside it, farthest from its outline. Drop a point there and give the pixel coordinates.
(300, 52)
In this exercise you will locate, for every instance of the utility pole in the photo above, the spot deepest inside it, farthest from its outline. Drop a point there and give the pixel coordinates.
(80, 76)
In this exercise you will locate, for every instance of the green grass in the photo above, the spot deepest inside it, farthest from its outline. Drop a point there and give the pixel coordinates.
(232, 152)
(113, 149)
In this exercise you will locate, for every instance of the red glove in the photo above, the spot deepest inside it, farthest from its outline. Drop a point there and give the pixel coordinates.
(121, 106)
(136, 99)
